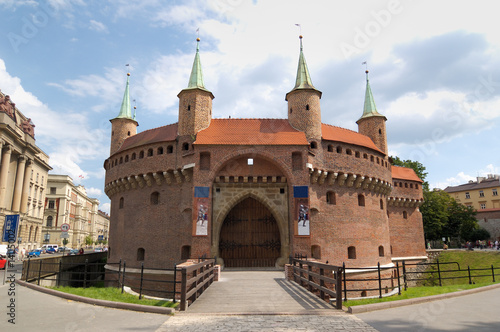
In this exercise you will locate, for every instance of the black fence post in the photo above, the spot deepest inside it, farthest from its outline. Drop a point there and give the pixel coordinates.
(123, 277)
(119, 271)
(39, 270)
(399, 281)
(175, 282)
(379, 281)
(142, 276)
(468, 270)
(338, 288)
(404, 276)
(59, 274)
(345, 282)
(85, 274)
(28, 270)
(439, 272)
(493, 272)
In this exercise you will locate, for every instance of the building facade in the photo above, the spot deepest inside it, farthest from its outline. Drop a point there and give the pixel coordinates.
(67, 203)
(482, 195)
(253, 192)
(23, 174)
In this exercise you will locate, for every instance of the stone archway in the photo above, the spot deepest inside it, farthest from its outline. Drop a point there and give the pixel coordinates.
(250, 236)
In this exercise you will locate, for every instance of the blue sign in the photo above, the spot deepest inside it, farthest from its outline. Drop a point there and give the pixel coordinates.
(100, 237)
(10, 228)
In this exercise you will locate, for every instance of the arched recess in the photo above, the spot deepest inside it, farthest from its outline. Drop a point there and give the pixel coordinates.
(280, 220)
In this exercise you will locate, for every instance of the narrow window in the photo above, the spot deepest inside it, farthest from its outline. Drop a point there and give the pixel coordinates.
(155, 198)
(121, 203)
(339, 149)
(357, 154)
(372, 159)
(307, 107)
(365, 156)
(316, 252)
(51, 204)
(481, 193)
(133, 156)
(185, 252)
(314, 145)
(330, 198)
(467, 195)
(291, 110)
(349, 152)
(126, 158)
(380, 131)
(406, 185)
(381, 204)
(381, 251)
(150, 152)
(351, 252)
(140, 254)
(296, 161)
(128, 133)
(141, 154)
(405, 215)
(361, 200)
(205, 161)
(330, 148)
(170, 149)
(160, 150)
(411, 185)
(49, 221)
(189, 107)
(185, 146)
(121, 160)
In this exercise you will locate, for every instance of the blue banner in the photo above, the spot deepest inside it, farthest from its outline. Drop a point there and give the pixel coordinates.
(300, 191)
(201, 191)
(10, 228)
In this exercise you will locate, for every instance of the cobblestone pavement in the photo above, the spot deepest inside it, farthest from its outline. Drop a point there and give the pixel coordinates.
(264, 323)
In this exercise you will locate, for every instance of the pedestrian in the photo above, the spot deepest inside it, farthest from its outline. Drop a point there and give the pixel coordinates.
(81, 251)
(428, 245)
(23, 254)
(496, 244)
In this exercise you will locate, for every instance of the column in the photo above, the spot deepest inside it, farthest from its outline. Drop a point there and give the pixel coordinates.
(4, 171)
(1, 147)
(18, 187)
(26, 186)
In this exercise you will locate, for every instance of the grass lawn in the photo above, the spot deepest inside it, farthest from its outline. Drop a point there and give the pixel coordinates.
(113, 294)
(474, 259)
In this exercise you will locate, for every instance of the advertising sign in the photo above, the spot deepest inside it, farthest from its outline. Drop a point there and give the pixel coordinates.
(10, 228)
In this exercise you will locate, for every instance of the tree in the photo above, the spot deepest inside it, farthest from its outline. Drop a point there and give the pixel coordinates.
(88, 240)
(435, 213)
(418, 167)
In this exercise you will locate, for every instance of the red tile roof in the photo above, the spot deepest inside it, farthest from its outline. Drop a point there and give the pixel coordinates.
(155, 135)
(250, 132)
(404, 173)
(333, 133)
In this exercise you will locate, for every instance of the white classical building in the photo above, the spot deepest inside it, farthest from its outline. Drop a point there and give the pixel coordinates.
(67, 203)
(23, 174)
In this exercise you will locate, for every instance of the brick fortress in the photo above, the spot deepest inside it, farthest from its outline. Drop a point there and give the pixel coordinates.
(252, 192)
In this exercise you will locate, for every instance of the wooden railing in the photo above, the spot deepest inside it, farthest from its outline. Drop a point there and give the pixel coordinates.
(195, 279)
(321, 279)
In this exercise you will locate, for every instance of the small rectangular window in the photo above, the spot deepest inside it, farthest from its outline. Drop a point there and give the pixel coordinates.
(467, 195)
(250, 161)
(481, 193)
(52, 190)
(495, 192)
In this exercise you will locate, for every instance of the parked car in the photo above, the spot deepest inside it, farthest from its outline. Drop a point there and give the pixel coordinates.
(73, 252)
(98, 249)
(50, 250)
(34, 253)
(3, 262)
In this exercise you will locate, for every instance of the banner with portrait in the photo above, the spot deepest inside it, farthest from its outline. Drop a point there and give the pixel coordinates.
(201, 210)
(301, 212)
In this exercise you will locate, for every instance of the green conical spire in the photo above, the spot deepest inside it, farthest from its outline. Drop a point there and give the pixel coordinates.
(303, 80)
(196, 78)
(369, 109)
(125, 112)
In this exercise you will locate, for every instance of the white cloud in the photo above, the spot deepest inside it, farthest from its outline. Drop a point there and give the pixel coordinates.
(105, 207)
(93, 192)
(97, 26)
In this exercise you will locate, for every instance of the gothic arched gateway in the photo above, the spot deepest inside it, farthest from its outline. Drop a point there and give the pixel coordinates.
(250, 236)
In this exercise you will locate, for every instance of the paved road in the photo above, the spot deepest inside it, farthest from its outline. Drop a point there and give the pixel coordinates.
(474, 312)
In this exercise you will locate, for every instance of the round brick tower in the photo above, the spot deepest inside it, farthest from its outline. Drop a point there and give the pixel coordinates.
(124, 125)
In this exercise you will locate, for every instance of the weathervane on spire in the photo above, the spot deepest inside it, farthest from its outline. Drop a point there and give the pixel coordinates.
(366, 68)
(128, 71)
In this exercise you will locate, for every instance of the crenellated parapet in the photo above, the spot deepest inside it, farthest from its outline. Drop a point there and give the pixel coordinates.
(131, 182)
(404, 202)
(351, 180)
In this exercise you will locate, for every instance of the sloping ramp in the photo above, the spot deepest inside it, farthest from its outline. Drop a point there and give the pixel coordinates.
(254, 292)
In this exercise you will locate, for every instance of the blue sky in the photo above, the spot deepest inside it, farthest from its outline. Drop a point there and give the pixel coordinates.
(434, 71)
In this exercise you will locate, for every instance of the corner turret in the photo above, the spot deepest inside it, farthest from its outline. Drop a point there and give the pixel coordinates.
(195, 102)
(372, 123)
(124, 125)
(304, 110)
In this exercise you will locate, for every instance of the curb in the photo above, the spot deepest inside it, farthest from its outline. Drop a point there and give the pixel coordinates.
(103, 303)
(393, 304)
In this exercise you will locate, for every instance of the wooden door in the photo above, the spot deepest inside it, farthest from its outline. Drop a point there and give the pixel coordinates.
(249, 236)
